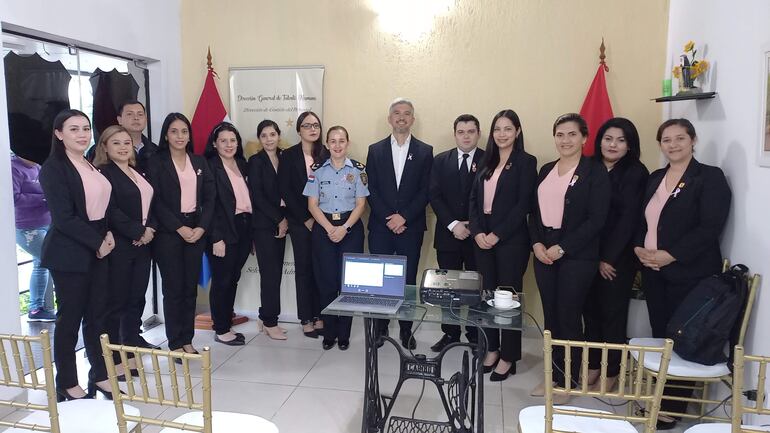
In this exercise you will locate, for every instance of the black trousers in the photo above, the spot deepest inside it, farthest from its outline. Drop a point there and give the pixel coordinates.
(180, 266)
(663, 298)
(406, 244)
(503, 265)
(82, 297)
(464, 259)
(605, 313)
(563, 290)
(225, 273)
(269, 251)
(327, 265)
(308, 307)
(129, 274)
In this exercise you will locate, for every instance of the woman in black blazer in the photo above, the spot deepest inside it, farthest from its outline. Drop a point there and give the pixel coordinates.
(134, 228)
(685, 208)
(606, 310)
(570, 208)
(293, 171)
(230, 234)
(74, 251)
(184, 205)
(500, 200)
(270, 225)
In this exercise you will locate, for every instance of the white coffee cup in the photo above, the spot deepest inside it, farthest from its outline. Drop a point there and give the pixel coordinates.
(503, 298)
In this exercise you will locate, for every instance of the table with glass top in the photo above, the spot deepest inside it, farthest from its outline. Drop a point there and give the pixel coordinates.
(464, 389)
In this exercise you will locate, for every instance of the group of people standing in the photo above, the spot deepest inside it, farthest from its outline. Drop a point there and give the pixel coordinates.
(590, 222)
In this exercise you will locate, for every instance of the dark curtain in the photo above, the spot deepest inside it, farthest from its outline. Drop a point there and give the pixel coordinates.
(110, 90)
(37, 90)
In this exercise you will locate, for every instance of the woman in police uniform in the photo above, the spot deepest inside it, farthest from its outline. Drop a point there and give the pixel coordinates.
(336, 193)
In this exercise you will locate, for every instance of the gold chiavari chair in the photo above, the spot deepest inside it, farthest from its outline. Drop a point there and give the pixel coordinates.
(74, 416)
(701, 375)
(180, 395)
(631, 387)
(739, 409)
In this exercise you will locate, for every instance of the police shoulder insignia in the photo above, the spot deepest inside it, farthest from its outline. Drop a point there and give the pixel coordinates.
(364, 178)
(358, 165)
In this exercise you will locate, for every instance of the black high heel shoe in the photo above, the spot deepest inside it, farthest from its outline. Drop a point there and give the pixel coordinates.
(93, 387)
(499, 377)
(63, 395)
(134, 373)
(489, 368)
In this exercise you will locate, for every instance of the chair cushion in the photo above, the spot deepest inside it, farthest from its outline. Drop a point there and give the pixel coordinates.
(226, 422)
(677, 366)
(83, 416)
(719, 427)
(532, 420)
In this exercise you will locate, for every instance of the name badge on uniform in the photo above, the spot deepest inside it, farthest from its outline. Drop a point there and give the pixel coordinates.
(350, 178)
(325, 182)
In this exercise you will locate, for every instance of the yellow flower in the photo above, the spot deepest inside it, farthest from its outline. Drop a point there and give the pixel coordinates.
(699, 68)
(677, 71)
(689, 46)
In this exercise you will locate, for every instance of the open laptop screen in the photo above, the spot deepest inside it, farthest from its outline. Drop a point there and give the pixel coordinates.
(373, 274)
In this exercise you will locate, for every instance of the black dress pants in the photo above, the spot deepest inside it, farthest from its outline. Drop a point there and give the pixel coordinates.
(503, 265)
(180, 265)
(462, 259)
(563, 290)
(327, 266)
(82, 297)
(269, 251)
(129, 275)
(605, 314)
(225, 273)
(406, 244)
(663, 298)
(307, 292)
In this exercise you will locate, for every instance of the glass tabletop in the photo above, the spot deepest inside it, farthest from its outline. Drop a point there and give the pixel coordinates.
(414, 309)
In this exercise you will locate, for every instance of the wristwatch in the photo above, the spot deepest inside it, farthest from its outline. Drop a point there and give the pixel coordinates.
(347, 227)
(561, 252)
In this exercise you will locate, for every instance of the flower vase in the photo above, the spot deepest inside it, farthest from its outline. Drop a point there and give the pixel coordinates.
(687, 82)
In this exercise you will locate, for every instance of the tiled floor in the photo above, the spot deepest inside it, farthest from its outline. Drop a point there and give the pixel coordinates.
(302, 388)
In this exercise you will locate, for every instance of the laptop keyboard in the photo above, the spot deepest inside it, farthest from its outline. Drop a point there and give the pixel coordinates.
(369, 301)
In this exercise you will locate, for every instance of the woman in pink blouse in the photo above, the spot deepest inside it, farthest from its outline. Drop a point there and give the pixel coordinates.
(184, 206)
(74, 251)
(500, 200)
(230, 234)
(571, 203)
(134, 229)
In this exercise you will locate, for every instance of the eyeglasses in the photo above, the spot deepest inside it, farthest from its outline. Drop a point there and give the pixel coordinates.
(310, 126)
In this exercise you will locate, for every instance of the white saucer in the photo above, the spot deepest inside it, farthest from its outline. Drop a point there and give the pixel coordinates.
(491, 303)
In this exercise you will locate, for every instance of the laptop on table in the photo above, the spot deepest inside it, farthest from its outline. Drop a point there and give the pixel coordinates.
(371, 283)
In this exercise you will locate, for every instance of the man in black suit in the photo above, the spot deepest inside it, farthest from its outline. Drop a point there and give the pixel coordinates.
(132, 116)
(399, 172)
(451, 179)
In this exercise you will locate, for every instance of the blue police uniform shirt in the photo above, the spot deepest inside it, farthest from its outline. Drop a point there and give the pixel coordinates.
(337, 190)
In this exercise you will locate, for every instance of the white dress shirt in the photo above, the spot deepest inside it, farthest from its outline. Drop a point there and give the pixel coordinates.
(468, 164)
(399, 156)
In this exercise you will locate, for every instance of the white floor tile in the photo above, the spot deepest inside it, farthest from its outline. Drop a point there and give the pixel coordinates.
(281, 366)
(321, 411)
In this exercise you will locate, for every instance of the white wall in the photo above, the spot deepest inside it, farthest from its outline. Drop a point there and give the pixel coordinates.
(148, 29)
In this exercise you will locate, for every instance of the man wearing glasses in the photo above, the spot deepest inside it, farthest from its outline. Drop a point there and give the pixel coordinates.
(399, 173)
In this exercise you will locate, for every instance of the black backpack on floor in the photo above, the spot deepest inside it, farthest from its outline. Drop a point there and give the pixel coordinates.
(709, 317)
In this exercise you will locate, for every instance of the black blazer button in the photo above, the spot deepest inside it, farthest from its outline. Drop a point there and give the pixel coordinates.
(566, 201)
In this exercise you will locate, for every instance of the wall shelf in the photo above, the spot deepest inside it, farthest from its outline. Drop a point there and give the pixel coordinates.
(686, 97)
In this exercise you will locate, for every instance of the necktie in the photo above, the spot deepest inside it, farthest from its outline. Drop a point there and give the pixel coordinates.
(464, 173)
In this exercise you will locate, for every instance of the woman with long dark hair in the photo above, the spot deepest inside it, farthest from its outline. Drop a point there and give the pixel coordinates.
(230, 234)
(606, 309)
(500, 201)
(74, 251)
(134, 228)
(293, 172)
(184, 205)
(270, 225)
(571, 204)
(685, 207)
